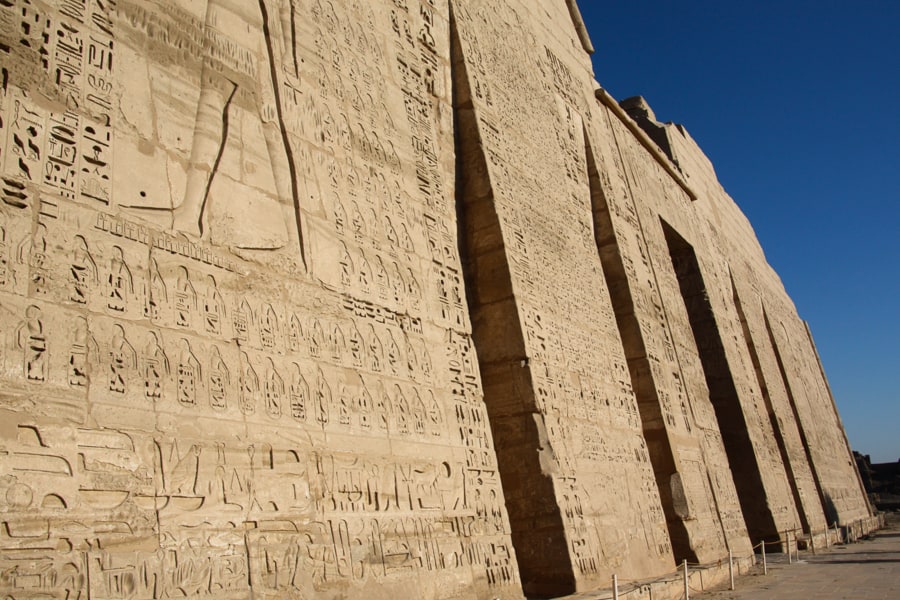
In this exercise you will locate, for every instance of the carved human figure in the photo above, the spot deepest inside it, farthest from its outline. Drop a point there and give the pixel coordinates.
(268, 327)
(213, 307)
(323, 399)
(391, 234)
(82, 350)
(249, 386)
(155, 292)
(375, 350)
(188, 375)
(299, 394)
(435, 416)
(340, 216)
(364, 406)
(185, 299)
(343, 131)
(364, 274)
(347, 270)
(412, 360)
(154, 366)
(337, 343)
(316, 339)
(345, 405)
(400, 410)
(382, 281)
(295, 334)
(357, 222)
(32, 340)
(382, 408)
(32, 255)
(398, 283)
(219, 380)
(83, 271)
(274, 391)
(496, 510)
(241, 317)
(122, 361)
(413, 289)
(119, 283)
(394, 358)
(419, 413)
(266, 28)
(357, 347)
(405, 240)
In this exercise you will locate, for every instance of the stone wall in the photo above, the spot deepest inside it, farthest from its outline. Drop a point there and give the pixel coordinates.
(352, 299)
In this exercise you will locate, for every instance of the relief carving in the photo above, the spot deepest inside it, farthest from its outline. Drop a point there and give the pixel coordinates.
(237, 352)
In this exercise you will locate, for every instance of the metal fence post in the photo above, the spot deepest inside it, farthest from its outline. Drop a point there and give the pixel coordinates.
(687, 588)
(731, 568)
(787, 542)
(765, 566)
(615, 587)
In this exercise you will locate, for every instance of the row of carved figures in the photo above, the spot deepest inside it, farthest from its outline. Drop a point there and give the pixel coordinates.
(174, 301)
(321, 558)
(122, 370)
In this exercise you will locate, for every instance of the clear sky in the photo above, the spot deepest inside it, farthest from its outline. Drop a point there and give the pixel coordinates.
(797, 103)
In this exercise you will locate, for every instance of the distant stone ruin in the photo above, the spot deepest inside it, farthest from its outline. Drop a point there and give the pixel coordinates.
(881, 481)
(377, 299)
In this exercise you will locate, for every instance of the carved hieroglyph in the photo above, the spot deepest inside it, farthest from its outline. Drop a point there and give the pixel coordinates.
(528, 114)
(782, 390)
(375, 298)
(659, 313)
(235, 351)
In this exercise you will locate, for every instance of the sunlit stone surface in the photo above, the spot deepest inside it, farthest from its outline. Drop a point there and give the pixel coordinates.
(376, 299)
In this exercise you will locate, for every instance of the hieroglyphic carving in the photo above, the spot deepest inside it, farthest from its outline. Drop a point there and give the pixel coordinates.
(524, 95)
(667, 375)
(125, 305)
(235, 348)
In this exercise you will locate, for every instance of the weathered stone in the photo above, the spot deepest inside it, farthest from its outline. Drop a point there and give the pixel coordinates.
(346, 299)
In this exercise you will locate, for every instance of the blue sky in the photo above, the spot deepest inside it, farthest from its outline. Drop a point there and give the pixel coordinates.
(797, 103)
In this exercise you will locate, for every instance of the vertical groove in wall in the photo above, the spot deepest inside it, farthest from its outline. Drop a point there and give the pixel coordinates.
(722, 391)
(831, 515)
(652, 421)
(537, 528)
(770, 410)
(837, 418)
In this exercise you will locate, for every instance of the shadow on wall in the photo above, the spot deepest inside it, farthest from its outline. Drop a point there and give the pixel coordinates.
(831, 513)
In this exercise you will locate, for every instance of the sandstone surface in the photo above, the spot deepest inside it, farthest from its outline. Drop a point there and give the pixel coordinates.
(374, 299)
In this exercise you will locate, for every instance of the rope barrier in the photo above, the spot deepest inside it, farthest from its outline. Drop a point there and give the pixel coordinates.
(621, 588)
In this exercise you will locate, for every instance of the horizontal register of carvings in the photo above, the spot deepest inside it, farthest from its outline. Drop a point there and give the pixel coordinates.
(375, 299)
